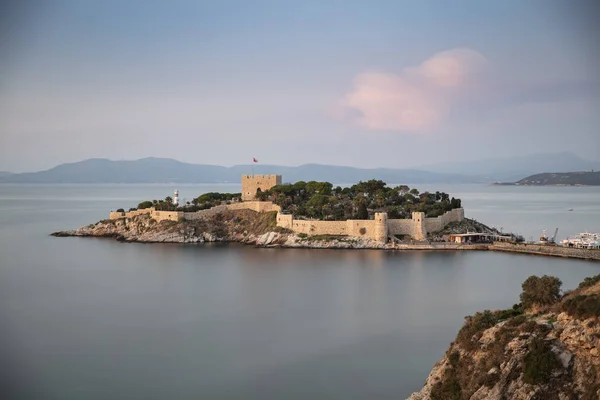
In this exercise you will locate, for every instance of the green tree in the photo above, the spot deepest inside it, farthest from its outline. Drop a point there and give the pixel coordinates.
(542, 291)
(145, 204)
(362, 212)
(403, 189)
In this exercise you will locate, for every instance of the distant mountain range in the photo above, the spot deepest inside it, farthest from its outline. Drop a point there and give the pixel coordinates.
(566, 178)
(162, 170)
(511, 169)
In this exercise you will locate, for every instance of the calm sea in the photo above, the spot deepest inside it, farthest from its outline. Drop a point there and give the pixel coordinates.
(88, 318)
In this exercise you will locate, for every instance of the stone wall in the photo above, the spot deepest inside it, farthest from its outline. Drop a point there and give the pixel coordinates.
(285, 220)
(167, 215)
(437, 224)
(131, 214)
(258, 206)
(251, 183)
(116, 215)
(204, 213)
(310, 227)
(559, 251)
(400, 227)
(377, 229)
(157, 215)
(414, 227)
(364, 228)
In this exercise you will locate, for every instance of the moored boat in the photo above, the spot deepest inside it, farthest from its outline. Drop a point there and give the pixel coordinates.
(584, 240)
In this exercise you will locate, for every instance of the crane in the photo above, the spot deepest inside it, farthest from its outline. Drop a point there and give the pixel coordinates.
(553, 240)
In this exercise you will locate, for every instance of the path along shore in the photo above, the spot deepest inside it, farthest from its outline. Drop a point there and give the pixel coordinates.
(556, 251)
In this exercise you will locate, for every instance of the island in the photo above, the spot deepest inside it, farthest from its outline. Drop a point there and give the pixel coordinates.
(303, 214)
(267, 213)
(545, 347)
(583, 178)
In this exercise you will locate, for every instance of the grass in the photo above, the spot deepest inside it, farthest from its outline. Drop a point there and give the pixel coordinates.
(327, 238)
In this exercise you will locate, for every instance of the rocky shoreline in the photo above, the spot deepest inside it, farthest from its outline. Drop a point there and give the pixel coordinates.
(237, 226)
(261, 230)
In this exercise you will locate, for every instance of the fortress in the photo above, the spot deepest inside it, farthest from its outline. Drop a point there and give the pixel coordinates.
(251, 184)
(380, 228)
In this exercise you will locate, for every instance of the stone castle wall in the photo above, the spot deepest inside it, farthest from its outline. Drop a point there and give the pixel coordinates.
(251, 183)
(258, 206)
(155, 214)
(377, 229)
(437, 224)
(204, 213)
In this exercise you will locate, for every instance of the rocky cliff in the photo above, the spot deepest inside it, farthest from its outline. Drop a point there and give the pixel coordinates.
(550, 352)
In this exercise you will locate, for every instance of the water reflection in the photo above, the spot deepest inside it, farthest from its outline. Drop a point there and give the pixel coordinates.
(94, 319)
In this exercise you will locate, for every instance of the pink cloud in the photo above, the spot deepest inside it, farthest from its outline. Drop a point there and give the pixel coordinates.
(418, 98)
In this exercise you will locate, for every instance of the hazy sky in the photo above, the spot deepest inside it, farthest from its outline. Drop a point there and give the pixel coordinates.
(361, 83)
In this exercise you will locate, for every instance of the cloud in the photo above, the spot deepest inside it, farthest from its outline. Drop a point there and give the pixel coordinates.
(418, 98)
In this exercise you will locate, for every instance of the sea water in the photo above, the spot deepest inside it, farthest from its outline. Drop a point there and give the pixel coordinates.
(86, 318)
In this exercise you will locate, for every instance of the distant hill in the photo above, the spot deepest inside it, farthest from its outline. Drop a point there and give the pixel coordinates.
(161, 170)
(5, 173)
(562, 178)
(511, 169)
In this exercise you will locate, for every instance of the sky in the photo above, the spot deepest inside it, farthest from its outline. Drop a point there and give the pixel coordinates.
(359, 83)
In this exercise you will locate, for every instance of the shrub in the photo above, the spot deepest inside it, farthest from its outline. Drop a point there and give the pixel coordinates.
(539, 362)
(448, 389)
(516, 321)
(542, 291)
(362, 230)
(454, 358)
(589, 281)
(474, 326)
(144, 204)
(510, 313)
(583, 307)
(120, 210)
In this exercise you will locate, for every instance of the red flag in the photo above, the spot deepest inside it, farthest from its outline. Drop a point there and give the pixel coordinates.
(255, 160)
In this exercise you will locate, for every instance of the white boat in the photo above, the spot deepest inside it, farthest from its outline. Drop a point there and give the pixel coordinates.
(584, 240)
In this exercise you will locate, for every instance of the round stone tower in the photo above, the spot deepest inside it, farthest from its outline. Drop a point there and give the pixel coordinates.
(381, 227)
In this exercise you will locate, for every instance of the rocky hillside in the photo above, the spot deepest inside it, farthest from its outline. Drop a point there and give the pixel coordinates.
(547, 347)
(243, 226)
(562, 178)
(464, 226)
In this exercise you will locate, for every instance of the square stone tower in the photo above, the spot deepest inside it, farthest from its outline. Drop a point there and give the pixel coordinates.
(251, 183)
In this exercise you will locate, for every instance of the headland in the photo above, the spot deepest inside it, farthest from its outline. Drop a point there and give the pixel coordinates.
(545, 347)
